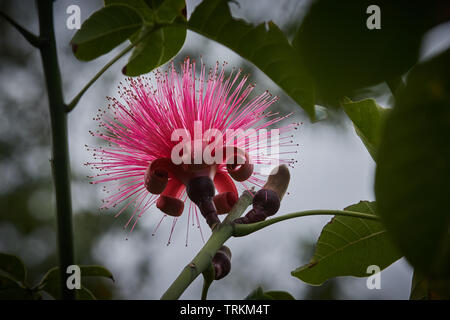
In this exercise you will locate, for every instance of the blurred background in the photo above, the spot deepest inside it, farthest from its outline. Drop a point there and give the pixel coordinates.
(333, 171)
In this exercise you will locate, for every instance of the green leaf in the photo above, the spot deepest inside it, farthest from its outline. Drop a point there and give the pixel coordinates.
(259, 294)
(159, 46)
(264, 45)
(171, 9)
(343, 55)
(50, 282)
(140, 6)
(11, 290)
(279, 295)
(367, 118)
(96, 271)
(104, 30)
(156, 49)
(413, 173)
(423, 288)
(347, 246)
(85, 294)
(13, 266)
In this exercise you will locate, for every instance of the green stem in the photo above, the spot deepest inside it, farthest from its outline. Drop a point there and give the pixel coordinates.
(77, 98)
(241, 230)
(60, 151)
(208, 278)
(33, 39)
(205, 289)
(202, 260)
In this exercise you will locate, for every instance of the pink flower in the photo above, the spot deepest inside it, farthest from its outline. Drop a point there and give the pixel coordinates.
(141, 150)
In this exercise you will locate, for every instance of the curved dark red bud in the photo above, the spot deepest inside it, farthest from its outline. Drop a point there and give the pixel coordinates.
(240, 172)
(222, 262)
(169, 205)
(157, 175)
(224, 202)
(155, 181)
(238, 164)
(201, 191)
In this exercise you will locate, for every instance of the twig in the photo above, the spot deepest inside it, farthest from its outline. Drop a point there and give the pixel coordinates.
(77, 98)
(241, 230)
(33, 39)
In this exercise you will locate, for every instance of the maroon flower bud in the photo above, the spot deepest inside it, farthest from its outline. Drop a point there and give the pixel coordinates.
(266, 201)
(222, 262)
(156, 181)
(169, 205)
(156, 176)
(240, 169)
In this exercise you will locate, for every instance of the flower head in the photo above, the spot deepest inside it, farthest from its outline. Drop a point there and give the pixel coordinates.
(186, 137)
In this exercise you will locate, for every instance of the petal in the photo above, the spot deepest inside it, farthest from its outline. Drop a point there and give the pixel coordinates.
(171, 206)
(238, 163)
(157, 175)
(169, 201)
(227, 193)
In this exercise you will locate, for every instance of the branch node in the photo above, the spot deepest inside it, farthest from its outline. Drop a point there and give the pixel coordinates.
(33, 39)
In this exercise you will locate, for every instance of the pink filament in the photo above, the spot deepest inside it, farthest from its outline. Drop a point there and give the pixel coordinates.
(137, 128)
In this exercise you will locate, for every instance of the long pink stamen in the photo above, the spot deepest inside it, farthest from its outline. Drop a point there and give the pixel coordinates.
(137, 127)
